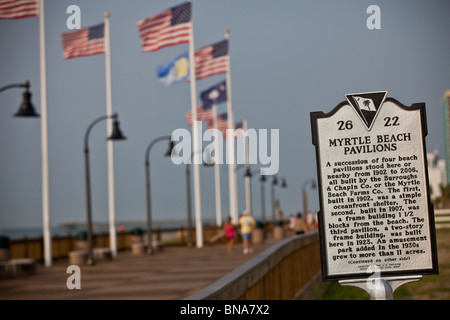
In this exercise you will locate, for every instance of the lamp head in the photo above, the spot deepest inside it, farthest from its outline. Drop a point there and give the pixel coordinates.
(116, 132)
(275, 180)
(26, 109)
(283, 183)
(170, 149)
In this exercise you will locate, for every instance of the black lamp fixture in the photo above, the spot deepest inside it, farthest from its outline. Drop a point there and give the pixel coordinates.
(170, 149)
(274, 183)
(275, 180)
(26, 109)
(116, 133)
(248, 173)
(283, 183)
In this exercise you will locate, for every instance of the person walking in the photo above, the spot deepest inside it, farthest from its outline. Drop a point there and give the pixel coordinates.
(300, 226)
(310, 221)
(229, 232)
(247, 223)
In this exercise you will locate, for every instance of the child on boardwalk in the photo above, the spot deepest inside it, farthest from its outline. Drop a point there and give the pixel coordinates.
(229, 232)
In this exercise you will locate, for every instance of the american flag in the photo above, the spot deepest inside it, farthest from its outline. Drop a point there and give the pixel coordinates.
(222, 123)
(211, 60)
(84, 42)
(168, 28)
(12, 9)
(203, 114)
(239, 133)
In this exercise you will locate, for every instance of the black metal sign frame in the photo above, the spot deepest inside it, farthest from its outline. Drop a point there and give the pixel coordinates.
(362, 104)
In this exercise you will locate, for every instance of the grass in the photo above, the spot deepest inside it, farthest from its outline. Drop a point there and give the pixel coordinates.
(431, 287)
(334, 291)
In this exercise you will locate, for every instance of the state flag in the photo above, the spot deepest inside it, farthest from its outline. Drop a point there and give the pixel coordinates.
(215, 94)
(365, 104)
(175, 71)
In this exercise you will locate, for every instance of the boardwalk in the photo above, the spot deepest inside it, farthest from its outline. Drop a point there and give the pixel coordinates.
(172, 274)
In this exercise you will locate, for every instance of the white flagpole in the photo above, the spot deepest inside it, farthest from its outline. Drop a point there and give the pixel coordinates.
(111, 192)
(230, 146)
(195, 135)
(248, 188)
(44, 142)
(217, 169)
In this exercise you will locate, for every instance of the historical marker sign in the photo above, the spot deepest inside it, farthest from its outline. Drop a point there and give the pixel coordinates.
(375, 209)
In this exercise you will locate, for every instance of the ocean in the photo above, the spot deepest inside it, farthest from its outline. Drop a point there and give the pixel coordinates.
(73, 228)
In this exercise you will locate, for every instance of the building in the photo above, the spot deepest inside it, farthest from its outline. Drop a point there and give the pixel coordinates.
(437, 174)
(445, 101)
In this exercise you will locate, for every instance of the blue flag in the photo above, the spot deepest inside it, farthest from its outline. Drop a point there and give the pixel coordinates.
(175, 71)
(215, 94)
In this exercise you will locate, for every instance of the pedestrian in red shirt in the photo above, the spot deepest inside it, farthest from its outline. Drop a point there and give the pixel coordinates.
(230, 234)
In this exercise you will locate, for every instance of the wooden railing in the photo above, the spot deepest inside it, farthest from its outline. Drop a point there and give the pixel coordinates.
(62, 245)
(442, 218)
(279, 273)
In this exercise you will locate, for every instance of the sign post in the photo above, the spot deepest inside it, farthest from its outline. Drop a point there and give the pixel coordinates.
(376, 220)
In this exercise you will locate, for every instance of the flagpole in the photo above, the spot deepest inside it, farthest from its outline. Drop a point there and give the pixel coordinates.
(44, 141)
(217, 168)
(110, 151)
(248, 188)
(230, 143)
(195, 135)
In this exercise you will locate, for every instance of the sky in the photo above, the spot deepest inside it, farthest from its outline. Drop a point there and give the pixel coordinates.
(288, 58)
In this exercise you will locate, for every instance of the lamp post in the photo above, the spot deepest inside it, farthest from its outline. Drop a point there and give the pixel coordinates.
(248, 190)
(240, 166)
(248, 187)
(26, 110)
(115, 135)
(274, 183)
(147, 187)
(263, 198)
(305, 194)
(272, 193)
(248, 175)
